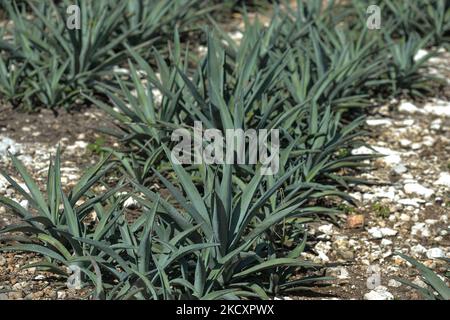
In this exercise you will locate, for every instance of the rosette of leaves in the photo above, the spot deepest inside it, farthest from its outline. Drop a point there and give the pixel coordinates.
(11, 79)
(154, 21)
(61, 61)
(406, 73)
(428, 18)
(437, 288)
(64, 61)
(218, 241)
(218, 93)
(232, 224)
(54, 224)
(335, 67)
(233, 88)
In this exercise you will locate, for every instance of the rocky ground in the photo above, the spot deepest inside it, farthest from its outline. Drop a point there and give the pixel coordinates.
(407, 210)
(34, 138)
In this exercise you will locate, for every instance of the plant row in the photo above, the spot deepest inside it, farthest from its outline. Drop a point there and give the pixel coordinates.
(207, 231)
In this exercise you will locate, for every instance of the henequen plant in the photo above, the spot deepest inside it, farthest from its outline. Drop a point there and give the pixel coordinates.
(343, 62)
(55, 225)
(224, 231)
(219, 94)
(227, 223)
(64, 61)
(229, 91)
(82, 229)
(233, 88)
(11, 78)
(231, 224)
(428, 18)
(404, 70)
(437, 289)
(210, 244)
(60, 62)
(335, 67)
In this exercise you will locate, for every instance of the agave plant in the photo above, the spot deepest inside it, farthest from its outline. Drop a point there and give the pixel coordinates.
(145, 124)
(11, 79)
(426, 17)
(298, 16)
(334, 68)
(238, 222)
(81, 229)
(311, 131)
(233, 88)
(144, 261)
(404, 70)
(438, 17)
(325, 64)
(340, 61)
(53, 225)
(323, 144)
(75, 59)
(215, 242)
(85, 59)
(154, 21)
(437, 288)
(147, 111)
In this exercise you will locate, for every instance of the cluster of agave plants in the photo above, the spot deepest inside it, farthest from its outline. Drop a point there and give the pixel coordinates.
(208, 231)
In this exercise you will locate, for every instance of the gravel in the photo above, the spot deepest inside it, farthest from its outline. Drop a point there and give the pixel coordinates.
(379, 293)
(378, 233)
(8, 145)
(435, 253)
(418, 189)
(407, 212)
(444, 179)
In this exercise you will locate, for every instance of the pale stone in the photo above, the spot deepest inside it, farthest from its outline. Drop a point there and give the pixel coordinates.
(444, 179)
(408, 107)
(418, 189)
